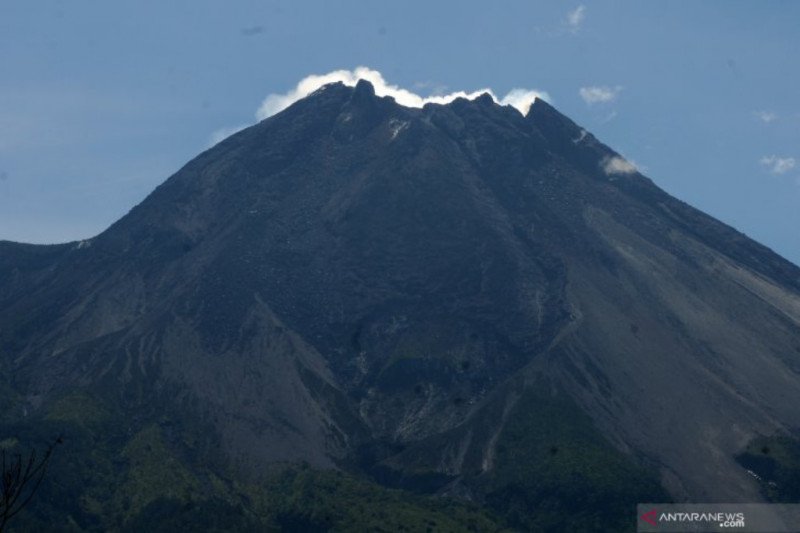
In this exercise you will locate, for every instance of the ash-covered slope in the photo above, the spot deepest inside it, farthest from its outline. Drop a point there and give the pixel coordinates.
(403, 291)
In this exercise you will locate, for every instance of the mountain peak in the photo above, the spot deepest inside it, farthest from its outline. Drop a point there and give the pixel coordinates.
(485, 99)
(364, 88)
(542, 111)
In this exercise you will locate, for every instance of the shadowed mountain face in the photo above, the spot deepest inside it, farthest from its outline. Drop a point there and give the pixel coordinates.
(424, 295)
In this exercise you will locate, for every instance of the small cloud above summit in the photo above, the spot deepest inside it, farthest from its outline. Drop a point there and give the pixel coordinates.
(575, 18)
(599, 94)
(521, 99)
(617, 165)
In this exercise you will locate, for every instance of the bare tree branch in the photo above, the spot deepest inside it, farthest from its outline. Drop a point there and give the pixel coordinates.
(20, 480)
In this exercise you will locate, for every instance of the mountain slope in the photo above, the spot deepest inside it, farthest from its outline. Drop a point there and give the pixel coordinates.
(392, 291)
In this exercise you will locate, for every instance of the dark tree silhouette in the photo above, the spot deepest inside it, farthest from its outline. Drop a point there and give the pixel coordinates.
(21, 478)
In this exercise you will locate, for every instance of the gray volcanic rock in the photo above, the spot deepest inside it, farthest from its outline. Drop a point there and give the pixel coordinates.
(353, 282)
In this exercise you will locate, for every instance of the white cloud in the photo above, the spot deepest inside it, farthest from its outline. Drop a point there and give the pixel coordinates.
(223, 133)
(575, 18)
(617, 165)
(765, 116)
(599, 94)
(521, 99)
(778, 165)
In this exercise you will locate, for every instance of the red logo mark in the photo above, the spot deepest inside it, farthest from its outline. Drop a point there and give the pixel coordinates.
(650, 517)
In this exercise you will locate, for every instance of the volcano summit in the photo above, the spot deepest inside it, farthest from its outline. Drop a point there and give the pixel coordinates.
(457, 300)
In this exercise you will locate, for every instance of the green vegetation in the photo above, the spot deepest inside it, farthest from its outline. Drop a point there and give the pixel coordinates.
(776, 462)
(79, 408)
(153, 473)
(299, 498)
(554, 472)
(110, 478)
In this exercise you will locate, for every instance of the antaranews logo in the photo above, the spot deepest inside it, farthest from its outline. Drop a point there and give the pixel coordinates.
(698, 520)
(650, 517)
(714, 517)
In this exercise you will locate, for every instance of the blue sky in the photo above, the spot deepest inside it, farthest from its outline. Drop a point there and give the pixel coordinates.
(102, 101)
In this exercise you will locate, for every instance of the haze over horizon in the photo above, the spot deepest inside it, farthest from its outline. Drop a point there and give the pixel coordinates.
(102, 103)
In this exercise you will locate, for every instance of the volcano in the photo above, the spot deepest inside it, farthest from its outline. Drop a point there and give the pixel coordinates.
(465, 305)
